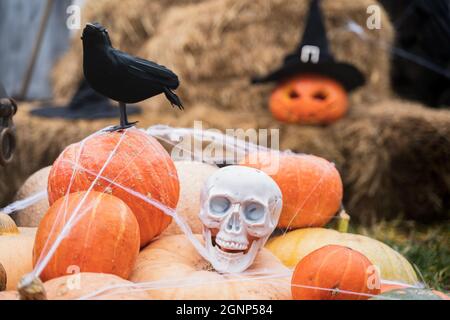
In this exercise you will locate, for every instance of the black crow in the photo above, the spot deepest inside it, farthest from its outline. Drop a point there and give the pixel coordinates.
(122, 77)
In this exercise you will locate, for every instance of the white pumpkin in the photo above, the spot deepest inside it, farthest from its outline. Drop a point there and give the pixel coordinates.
(32, 215)
(192, 176)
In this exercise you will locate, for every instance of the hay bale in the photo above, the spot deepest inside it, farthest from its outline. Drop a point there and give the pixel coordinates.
(394, 156)
(302, 139)
(129, 22)
(41, 140)
(218, 45)
(397, 161)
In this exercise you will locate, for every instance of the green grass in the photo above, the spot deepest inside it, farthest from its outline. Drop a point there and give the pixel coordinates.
(427, 247)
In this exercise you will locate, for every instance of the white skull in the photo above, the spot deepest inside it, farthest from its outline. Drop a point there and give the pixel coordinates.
(240, 209)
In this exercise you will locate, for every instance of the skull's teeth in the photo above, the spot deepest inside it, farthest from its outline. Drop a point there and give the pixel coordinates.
(231, 245)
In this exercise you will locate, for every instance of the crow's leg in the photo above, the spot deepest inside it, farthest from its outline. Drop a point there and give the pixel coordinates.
(123, 115)
(124, 124)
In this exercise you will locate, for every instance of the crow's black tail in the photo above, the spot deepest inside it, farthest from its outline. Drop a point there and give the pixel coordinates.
(173, 98)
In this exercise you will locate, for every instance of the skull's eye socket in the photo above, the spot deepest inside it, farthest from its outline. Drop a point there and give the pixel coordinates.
(254, 211)
(219, 205)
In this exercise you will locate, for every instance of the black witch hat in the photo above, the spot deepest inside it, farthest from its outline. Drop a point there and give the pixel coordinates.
(313, 56)
(85, 104)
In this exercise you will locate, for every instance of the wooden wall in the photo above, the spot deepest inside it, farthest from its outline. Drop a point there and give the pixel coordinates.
(19, 23)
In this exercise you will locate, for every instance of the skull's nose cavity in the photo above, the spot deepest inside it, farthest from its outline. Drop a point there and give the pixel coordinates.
(233, 223)
(230, 224)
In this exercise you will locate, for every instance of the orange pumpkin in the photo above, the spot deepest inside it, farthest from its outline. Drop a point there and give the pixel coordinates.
(104, 238)
(386, 287)
(140, 163)
(309, 99)
(334, 273)
(311, 187)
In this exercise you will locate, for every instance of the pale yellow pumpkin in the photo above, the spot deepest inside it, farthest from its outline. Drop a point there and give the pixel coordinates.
(9, 295)
(2, 278)
(192, 176)
(89, 286)
(294, 245)
(16, 250)
(175, 270)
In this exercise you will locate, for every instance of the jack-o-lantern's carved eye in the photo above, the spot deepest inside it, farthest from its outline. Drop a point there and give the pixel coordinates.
(320, 95)
(309, 99)
(294, 94)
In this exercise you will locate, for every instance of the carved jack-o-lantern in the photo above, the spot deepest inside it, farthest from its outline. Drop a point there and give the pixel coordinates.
(309, 99)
